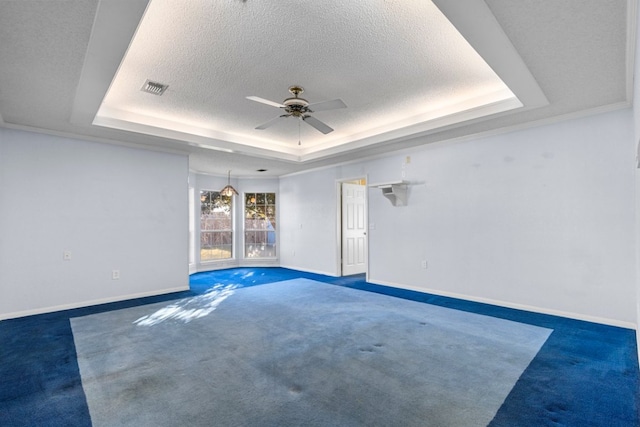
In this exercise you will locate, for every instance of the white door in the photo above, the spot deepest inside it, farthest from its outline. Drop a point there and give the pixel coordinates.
(354, 229)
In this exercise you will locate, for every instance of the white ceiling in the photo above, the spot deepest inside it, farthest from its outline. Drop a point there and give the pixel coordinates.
(410, 73)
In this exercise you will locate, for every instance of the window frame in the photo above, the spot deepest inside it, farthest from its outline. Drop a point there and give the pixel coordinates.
(271, 217)
(203, 230)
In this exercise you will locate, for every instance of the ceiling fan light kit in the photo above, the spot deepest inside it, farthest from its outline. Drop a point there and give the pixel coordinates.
(300, 108)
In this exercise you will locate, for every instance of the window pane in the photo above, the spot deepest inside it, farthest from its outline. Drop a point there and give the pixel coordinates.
(260, 225)
(271, 198)
(260, 251)
(270, 211)
(213, 245)
(221, 222)
(226, 237)
(206, 240)
(261, 238)
(207, 246)
(225, 251)
(216, 226)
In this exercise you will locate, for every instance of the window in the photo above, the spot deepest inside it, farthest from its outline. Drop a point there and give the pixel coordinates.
(216, 226)
(260, 225)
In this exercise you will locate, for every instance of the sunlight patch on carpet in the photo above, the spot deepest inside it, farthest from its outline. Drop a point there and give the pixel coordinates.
(301, 352)
(189, 309)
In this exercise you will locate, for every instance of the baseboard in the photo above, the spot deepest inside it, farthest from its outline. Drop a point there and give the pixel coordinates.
(523, 307)
(638, 345)
(217, 265)
(192, 269)
(257, 263)
(324, 273)
(81, 304)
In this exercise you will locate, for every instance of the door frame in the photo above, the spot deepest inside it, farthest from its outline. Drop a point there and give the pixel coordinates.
(339, 221)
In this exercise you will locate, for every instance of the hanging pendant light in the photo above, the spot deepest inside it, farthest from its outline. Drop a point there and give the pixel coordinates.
(229, 191)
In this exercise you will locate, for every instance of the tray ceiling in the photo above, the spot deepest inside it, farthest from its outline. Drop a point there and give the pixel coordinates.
(410, 72)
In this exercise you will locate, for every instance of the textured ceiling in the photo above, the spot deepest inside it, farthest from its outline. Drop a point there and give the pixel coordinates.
(410, 72)
(213, 57)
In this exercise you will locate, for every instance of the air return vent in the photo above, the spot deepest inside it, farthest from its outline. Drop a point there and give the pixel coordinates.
(154, 88)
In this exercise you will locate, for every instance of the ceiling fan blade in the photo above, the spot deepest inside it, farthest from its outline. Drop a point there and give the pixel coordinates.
(317, 124)
(272, 122)
(265, 101)
(327, 105)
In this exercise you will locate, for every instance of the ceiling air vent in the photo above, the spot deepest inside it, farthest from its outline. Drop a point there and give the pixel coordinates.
(154, 88)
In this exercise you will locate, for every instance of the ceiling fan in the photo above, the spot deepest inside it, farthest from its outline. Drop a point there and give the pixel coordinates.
(300, 108)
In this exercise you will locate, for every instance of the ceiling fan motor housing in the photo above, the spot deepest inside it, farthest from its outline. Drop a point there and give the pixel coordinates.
(296, 106)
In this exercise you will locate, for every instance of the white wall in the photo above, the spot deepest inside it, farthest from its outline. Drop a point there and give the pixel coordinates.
(541, 219)
(636, 138)
(112, 207)
(308, 221)
(215, 183)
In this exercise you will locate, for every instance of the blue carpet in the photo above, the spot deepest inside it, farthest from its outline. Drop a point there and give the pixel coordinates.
(586, 374)
(299, 352)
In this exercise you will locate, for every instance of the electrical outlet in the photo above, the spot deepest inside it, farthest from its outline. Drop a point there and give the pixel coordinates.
(424, 264)
(66, 255)
(115, 275)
